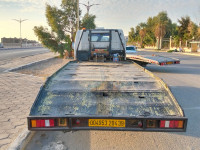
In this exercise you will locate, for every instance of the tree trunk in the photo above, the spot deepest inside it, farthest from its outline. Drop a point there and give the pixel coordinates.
(160, 42)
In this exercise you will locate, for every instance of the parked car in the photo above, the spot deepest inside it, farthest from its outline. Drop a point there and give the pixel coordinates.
(131, 49)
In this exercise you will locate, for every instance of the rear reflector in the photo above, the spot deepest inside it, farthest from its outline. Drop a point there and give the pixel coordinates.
(33, 123)
(171, 124)
(42, 123)
(62, 122)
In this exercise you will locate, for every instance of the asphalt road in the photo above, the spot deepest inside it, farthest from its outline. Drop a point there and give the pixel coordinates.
(184, 82)
(18, 53)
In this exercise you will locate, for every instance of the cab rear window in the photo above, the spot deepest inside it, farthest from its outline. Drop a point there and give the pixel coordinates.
(100, 37)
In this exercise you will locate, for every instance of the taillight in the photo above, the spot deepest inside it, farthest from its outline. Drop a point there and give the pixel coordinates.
(78, 121)
(42, 123)
(162, 64)
(171, 124)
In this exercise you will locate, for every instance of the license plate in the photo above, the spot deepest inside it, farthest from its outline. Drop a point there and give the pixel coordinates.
(169, 63)
(106, 123)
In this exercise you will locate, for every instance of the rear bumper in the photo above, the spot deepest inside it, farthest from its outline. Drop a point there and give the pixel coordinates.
(71, 126)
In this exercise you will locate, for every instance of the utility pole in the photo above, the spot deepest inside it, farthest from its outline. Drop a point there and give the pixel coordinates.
(88, 6)
(77, 15)
(20, 22)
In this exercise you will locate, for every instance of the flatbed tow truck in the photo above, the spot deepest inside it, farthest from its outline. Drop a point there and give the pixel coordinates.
(88, 95)
(152, 59)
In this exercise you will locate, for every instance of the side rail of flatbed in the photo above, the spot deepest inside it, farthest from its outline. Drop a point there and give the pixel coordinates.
(105, 96)
(154, 59)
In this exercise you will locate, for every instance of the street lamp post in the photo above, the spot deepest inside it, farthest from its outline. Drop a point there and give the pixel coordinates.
(77, 15)
(20, 22)
(88, 6)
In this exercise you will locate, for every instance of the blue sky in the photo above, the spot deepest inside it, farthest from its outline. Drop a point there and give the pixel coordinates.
(122, 14)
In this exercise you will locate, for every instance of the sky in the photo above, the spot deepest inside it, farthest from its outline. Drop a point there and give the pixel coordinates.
(118, 14)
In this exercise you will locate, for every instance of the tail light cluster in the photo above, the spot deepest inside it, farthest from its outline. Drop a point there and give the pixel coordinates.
(48, 123)
(168, 63)
(177, 62)
(171, 124)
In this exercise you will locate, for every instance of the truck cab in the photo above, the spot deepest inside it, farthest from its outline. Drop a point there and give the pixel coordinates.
(90, 44)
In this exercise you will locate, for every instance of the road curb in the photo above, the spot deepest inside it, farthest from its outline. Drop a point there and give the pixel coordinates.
(21, 141)
(191, 54)
(28, 65)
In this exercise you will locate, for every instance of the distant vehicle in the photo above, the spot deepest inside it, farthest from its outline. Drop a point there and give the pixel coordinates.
(131, 49)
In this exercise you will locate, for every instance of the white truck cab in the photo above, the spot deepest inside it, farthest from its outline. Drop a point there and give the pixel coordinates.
(99, 42)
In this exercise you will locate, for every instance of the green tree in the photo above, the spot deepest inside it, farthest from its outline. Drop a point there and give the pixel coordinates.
(88, 21)
(174, 34)
(134, 35)
(162, 26)
(137, 33)
(131, 35)
(150, 37)
(142, 33)
(156, 28)
(63, 26)
(193, 30)
(183, 31)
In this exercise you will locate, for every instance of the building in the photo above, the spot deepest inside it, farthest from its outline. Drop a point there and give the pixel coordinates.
(17, 42)
(195, 46)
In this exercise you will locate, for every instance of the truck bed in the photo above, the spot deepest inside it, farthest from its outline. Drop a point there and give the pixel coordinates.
(104, 90)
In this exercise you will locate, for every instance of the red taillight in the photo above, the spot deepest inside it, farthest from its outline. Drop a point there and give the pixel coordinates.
(42, 123)
(139, 124)
(162, 64)
(171, 124)
(78, 121)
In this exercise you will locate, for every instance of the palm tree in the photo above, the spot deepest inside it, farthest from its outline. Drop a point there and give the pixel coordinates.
(142, 33)
(161, 25)
(183, 31)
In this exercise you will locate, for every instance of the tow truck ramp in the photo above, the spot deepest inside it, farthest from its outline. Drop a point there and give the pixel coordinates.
(152, 59)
